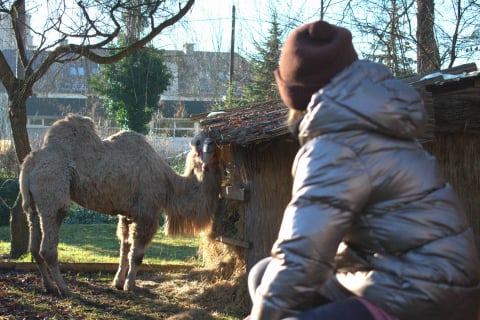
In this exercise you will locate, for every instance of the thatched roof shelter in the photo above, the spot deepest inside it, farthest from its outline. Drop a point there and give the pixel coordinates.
(258, 152)
(453, 96)
(248, 125)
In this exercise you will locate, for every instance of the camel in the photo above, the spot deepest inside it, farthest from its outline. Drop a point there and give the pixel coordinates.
(121, 175)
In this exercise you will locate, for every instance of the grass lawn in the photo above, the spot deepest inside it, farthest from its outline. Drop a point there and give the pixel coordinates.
(195, 292)
(98, 243)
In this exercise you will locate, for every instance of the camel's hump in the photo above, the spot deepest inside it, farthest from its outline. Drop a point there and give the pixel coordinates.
(72, 129)
(77, 132)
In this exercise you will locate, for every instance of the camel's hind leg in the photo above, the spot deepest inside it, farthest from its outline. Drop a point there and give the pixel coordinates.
(34, 247)
(122, 234)
(49, 248)
(141, 232)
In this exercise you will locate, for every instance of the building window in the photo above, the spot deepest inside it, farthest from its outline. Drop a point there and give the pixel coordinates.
(76, 71)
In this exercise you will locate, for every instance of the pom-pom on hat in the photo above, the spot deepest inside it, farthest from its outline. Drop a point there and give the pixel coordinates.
(312, 55)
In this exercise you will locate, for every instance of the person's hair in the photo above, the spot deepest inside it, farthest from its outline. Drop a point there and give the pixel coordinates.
(293, 120)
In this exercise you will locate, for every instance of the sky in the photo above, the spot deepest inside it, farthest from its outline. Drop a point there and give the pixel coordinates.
(209, 24)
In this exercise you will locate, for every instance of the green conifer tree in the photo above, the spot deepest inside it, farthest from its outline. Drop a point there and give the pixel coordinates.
(133, 86)
(262, 87)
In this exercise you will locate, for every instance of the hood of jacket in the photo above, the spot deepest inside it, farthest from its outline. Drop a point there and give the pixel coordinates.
(365, 96)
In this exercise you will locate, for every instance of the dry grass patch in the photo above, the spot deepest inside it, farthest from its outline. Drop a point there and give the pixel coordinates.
(199, 294)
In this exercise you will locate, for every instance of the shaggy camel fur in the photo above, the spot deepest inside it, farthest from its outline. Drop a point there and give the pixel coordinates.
(121, 175)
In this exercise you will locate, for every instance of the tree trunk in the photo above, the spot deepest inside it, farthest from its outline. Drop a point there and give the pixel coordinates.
(18, 92)
(19, 234)
(27, 72)
(428, 57)
(393, 38)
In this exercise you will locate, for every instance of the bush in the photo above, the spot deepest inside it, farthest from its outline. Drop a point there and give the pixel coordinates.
(80, 215)
(8, 194)
(77, 214)
(177, 162)
(8, 162)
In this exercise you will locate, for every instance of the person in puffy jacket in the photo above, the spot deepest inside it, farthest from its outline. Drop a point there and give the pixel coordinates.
(373, 230)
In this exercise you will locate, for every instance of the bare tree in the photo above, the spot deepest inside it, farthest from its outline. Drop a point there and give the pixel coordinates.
(18, 221)
(428, 57)
(416, 34)
(459, 32)
(387, 28)
(91, 27)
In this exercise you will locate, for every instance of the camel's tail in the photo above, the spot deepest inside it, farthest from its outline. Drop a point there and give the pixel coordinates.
(24, 184)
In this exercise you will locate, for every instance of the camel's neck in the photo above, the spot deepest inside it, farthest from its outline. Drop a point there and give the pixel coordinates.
(195, 187)
(194, 198)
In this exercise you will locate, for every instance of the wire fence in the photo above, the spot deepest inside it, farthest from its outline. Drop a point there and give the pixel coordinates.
(169, 137)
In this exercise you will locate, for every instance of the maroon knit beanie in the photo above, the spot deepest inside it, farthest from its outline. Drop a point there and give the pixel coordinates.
(312, 54)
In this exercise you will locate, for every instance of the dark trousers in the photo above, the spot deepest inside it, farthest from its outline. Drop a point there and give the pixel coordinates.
(346, 309)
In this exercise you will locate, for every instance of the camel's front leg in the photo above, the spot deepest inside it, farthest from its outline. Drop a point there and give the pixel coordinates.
(122, 234)
(142, 233)
(135, 258)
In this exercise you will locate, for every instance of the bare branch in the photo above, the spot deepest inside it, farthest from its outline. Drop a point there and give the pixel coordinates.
(7, 76)
(17, 15)
(91, 25)
(91, 31)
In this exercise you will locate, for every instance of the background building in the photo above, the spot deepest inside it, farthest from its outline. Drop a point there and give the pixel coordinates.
(199, 84)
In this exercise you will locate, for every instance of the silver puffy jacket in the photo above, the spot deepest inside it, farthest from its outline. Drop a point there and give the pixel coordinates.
(370, 209)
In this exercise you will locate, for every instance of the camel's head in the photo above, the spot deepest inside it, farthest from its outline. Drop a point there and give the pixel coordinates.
(204, 173)
(203, 156)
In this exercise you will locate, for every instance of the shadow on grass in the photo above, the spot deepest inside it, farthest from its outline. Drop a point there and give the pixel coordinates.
(101, 239)
(199, 294)
(98, 243)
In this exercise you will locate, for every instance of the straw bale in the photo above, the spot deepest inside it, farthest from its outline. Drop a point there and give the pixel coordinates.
(228, 221)
(263, 170)
(457, 113)
(458, 155)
